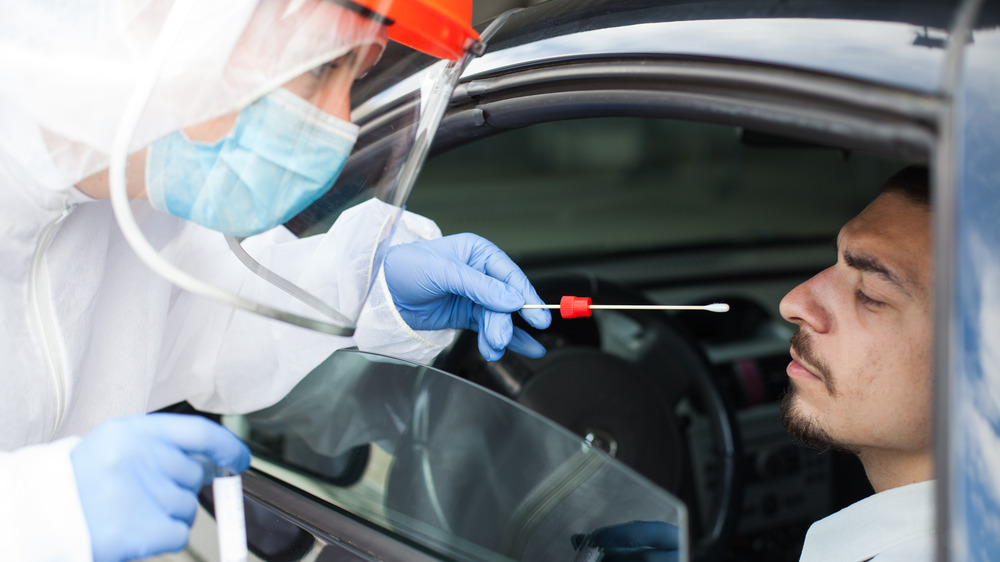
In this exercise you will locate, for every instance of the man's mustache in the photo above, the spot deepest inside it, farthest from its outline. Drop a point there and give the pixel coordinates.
(803, 346)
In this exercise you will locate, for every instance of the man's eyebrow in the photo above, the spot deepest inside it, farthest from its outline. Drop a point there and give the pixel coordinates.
(869, 264)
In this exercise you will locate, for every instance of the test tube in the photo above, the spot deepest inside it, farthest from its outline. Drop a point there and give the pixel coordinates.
(227, 492)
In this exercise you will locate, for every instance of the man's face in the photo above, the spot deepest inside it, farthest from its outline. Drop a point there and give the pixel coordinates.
(860, 376)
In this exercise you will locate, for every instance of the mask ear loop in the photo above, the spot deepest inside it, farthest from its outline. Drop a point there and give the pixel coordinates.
(444, 86)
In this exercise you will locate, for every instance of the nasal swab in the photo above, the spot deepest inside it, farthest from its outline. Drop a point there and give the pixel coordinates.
(577, 307)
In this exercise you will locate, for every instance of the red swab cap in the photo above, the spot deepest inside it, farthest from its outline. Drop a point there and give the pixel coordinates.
(574, 307)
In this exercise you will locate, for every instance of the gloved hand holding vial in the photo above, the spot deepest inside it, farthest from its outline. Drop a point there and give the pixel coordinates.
(227, 496)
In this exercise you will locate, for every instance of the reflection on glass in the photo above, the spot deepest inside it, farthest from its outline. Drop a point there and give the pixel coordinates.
(440, 461)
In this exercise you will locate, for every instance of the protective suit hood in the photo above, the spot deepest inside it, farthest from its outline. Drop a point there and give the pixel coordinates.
(69, 68)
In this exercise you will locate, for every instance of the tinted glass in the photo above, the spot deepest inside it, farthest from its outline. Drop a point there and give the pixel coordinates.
(437, 460)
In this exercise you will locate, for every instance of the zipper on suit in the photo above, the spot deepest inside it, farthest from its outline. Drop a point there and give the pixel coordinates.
(45, 321)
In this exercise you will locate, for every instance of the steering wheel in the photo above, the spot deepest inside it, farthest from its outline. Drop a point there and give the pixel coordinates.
(634, 384)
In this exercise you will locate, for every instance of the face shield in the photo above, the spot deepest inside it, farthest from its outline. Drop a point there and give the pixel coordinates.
(240, 118)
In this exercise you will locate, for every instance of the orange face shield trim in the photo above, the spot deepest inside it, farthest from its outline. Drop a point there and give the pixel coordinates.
(441, 28)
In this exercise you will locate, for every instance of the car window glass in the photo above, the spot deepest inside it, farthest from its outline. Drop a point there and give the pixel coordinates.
(445, 463)
(605, 185)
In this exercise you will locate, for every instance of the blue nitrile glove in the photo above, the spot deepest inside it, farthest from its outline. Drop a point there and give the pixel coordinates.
(138, 480)
(638, 541)
(464, 281)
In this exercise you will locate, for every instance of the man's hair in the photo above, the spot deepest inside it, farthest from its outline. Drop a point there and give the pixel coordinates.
(912, 182)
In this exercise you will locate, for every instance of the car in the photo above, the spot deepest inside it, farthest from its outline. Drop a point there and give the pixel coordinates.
(651, 152)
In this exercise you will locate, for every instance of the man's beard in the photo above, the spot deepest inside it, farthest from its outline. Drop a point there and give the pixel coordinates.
(805, 431)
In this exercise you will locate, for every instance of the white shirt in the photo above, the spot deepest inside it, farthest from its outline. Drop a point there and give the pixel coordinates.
(894, 525)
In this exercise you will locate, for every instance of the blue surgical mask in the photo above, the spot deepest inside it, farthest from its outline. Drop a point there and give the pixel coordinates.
(282, 154)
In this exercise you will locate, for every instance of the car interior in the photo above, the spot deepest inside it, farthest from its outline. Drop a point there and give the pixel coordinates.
(624, 210)
(645, 210)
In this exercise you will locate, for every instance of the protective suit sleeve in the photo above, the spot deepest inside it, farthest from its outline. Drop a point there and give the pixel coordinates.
(39, 498)
(381, 329)
(226, 360)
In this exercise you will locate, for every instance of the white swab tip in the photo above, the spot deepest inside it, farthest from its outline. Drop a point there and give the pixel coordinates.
(717, 307)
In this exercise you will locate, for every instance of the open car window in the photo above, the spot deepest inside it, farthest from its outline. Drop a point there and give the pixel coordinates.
(438, 461)
(678, 212)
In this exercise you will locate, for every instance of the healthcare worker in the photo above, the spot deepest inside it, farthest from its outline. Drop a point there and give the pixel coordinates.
(243, 120)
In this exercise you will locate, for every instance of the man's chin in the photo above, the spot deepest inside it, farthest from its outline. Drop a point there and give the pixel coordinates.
(803, 430)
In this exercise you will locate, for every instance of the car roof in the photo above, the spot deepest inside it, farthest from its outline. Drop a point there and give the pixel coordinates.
(892, 43)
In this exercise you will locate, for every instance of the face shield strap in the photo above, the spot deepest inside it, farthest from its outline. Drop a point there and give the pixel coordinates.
(363, 11)
(285, 285)
(443, 85)
(440, 86)
(120, 149)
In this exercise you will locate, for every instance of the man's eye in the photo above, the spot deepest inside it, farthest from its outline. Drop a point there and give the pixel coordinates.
(866, 300)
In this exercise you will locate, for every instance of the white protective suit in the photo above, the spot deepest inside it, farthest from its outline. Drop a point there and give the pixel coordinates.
(87, 332)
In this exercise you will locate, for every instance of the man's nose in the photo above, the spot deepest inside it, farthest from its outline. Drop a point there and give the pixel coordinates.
(809, 304)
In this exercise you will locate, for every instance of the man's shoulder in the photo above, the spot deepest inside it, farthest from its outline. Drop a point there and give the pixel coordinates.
(916, 548)
(899, 520)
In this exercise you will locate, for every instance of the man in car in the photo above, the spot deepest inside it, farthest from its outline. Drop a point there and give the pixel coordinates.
(860, 381)
(861, 375)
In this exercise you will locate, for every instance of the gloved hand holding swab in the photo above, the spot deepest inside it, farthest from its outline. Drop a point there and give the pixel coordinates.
(578, 307)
